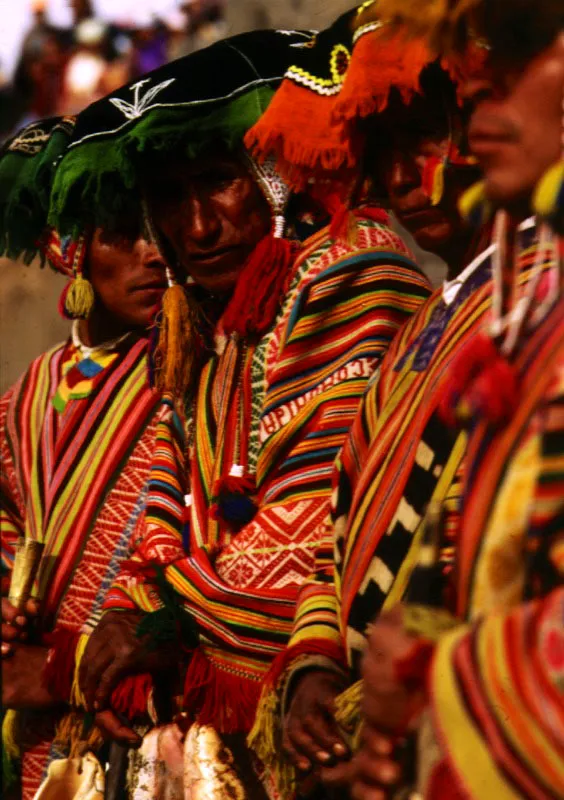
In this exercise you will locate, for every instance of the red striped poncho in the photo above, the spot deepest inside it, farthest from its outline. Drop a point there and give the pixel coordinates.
(398, 456)
(279, 408)
(497, 683)
(74, 479)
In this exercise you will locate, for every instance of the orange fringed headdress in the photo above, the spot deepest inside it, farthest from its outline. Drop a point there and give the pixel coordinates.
(297, 127)
(347, 73)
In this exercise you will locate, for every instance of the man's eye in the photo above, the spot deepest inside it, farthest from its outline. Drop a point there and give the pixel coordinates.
(217, 178)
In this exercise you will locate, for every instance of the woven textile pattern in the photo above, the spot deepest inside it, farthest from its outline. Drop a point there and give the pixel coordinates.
(75, 480)
(388, 471)
(496, 685)
(281, 409)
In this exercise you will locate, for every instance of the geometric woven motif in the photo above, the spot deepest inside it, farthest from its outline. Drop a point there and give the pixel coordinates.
(277, 549)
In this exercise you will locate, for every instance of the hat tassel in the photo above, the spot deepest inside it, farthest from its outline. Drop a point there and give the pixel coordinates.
(78, 298)
(177, 344)
(259, 290)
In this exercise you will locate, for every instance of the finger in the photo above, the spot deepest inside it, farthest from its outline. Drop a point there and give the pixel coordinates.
(9, 612)
(93, 652)
(90, 674)
(7, 650)
(108, 681)
(10, 633)
(300, 761)
(305, 743)
(362, 791)
(32, 607)
(337, 777)
(324, 731)
(375, 743)
(377, 771)
(111, 728)
(12, 615)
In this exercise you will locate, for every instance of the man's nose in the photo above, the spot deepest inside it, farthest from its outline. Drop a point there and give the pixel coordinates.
(405, 175)
(148, 254)
(477, 88)
(202, 225)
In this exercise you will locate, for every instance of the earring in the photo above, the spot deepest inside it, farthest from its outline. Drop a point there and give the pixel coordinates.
(548, 197)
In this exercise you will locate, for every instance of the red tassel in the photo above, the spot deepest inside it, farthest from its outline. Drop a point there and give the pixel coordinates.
(58, 673)
(260, 288)
(220, 698)
(481, 382)
(233, 484)
(343, 226)
(131, 695)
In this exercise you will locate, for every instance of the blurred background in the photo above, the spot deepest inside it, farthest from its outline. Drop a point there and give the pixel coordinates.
(57, 56)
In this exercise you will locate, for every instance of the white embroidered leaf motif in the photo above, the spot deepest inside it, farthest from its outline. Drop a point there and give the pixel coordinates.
(140, 103)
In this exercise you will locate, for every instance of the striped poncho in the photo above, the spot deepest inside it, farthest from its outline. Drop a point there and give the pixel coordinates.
(76, 436)
(496, 684)
(278, 409)
(398, 456)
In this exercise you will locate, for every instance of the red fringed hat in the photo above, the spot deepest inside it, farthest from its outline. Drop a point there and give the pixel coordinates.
(347, 73)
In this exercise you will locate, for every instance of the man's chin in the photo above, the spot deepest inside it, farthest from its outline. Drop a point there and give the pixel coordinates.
(503, 190)
(433, 237)
(219, 284)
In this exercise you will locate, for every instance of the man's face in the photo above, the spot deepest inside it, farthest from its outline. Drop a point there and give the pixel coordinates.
(212, 214)
(516, 129)
(402, 141)
(127, 274)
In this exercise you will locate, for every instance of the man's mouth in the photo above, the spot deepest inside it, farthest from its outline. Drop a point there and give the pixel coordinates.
(159, 285)
(422, 217)
(211, 256)
(489, 133)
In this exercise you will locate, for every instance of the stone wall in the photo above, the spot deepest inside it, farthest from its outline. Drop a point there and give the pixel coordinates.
(29, 321)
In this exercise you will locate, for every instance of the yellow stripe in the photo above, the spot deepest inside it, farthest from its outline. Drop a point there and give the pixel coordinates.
(467, 749)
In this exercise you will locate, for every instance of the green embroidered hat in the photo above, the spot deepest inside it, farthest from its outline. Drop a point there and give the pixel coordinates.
(27, 168)
(215, 94)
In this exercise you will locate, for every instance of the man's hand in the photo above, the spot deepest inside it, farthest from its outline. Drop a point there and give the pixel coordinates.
(16, 624)
(388, 705)
(113, 729)
(22, 686)
(376, 769)
(115, 651)
(311, 735)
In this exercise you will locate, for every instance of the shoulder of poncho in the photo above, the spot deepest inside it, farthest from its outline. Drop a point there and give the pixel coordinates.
(53, 353)
(320, 253)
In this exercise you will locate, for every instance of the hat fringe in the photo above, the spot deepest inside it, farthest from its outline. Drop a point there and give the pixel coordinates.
(381, 62)
(280, 132)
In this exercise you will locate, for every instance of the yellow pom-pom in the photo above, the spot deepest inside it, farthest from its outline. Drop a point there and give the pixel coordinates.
(79, 299)
(474, 201)
(545, 197)
(10, 733)
(438, 184)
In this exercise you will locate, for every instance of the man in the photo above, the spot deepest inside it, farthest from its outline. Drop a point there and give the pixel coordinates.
(240, 483)
(76, 432)
(488, 695)
(398, 458)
